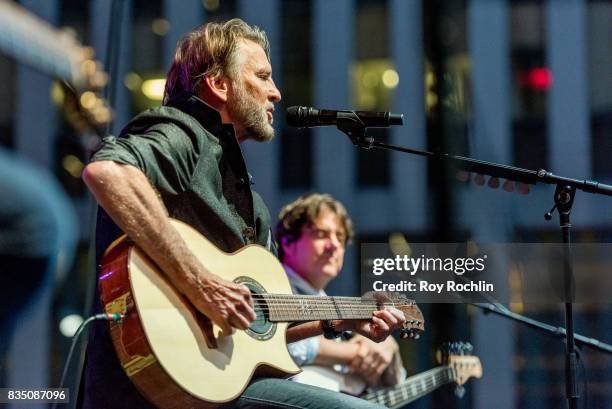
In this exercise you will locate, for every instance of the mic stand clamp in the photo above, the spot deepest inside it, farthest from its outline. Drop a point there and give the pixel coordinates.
(349, 123)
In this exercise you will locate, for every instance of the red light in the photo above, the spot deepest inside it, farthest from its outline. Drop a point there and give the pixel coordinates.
(539, 78)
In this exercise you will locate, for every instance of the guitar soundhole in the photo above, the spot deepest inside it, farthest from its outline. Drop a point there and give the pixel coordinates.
(261, 328)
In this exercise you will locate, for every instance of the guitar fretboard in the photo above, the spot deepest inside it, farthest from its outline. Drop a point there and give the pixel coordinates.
(412, 388)
(289, 308)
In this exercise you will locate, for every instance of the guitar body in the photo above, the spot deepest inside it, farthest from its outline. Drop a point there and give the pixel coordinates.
(160, 342)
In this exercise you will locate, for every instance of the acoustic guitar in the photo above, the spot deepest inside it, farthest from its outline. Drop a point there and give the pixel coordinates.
(161, 341)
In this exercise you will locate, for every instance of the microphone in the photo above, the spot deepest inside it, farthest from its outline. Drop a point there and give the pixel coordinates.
(307, 117)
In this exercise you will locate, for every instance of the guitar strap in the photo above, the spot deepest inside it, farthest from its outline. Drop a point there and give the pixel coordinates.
(271, 244)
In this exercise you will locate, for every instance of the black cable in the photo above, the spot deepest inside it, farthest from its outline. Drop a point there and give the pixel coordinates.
(98, 317)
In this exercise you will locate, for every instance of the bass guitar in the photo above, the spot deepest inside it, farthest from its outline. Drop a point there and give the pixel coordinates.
(458, 366)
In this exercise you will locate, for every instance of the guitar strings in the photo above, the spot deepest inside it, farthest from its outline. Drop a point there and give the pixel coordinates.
(335, 297)
(351, 306)
(288, 307)
(284, 304)
(269, 305)
(397, 394)
(290, 300)
(440, 378)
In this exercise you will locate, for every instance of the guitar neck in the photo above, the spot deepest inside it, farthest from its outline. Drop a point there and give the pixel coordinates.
(290, 308)
(412, 388)
(32, 40)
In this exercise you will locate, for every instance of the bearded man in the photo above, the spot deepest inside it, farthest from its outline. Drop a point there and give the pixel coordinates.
(183, 160)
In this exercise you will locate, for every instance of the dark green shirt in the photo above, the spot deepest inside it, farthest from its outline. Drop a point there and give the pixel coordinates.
(195, 164)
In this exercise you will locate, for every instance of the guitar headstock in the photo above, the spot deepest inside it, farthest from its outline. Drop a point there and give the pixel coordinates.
(458, 356)
(31, 40)
(414, 323)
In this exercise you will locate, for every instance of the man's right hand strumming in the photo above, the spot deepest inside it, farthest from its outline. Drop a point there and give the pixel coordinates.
(136, 209)
(227, 304)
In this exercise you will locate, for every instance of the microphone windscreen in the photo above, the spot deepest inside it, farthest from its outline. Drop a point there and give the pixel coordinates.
(292, 116)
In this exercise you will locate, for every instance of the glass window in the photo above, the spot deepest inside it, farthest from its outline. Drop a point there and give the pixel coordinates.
(531, 80)
(599, 41)
(373, 79)
(296, 154)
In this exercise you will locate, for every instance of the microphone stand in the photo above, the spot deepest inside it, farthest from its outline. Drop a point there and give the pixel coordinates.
(357, 134)
(494, 306)
(565, 192)
(558, 332)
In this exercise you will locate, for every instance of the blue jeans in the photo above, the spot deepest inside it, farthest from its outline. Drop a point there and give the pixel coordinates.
(281, 393)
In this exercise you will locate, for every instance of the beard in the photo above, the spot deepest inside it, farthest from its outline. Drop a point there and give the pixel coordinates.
(250, 118)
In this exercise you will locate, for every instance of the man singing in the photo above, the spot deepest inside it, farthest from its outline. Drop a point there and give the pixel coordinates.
(183, 160)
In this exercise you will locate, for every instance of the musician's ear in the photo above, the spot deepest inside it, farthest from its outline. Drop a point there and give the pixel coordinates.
(216, 86)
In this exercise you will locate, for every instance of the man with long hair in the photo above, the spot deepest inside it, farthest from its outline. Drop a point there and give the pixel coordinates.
(183, 160)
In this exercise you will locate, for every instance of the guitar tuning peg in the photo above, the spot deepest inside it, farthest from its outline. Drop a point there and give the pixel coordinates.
(479, 179)
(508, 186)
(409, 334)
(493, 183)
